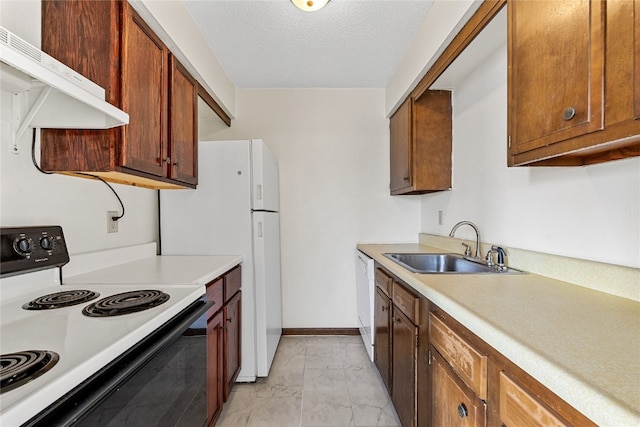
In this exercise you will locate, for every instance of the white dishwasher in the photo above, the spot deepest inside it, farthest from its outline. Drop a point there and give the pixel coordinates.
(365, 288)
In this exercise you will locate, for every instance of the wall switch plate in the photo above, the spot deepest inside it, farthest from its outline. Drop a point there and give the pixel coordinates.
(440, 215)
(112, 225)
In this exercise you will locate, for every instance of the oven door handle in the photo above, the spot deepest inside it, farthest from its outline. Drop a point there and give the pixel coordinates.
(79, 401)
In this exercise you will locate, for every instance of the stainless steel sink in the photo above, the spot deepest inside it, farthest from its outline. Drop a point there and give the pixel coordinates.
(442, 264)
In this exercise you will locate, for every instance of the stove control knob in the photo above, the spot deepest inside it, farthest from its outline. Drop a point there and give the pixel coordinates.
(23, 246)
(47, 243)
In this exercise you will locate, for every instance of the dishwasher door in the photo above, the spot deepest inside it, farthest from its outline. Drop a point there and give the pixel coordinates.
(365, 287)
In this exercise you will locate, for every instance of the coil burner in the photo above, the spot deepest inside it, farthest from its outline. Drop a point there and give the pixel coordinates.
(61, 299)
(17, 369)
(125, 303)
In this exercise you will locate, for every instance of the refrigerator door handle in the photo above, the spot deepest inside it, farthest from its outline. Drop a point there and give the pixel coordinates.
(259, 192)
(259, 229)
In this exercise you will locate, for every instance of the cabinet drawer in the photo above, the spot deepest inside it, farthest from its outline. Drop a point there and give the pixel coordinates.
(215, 293)
(468, 363)
(408, 303)
(519, 408)
(232, 283)
(454, 403)
(384, 282)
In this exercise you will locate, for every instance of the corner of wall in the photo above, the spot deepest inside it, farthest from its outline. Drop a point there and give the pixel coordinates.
(178, 30)
(442, 24)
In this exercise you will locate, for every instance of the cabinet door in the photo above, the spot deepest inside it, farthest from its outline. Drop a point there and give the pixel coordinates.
(556, 71)
(144, 96)
(232, 342)
(454, 404)
(519, 408)
(405, 356)
(215, 374)
(636, 59)
(401, 147)
(183, 133)
(382, 348)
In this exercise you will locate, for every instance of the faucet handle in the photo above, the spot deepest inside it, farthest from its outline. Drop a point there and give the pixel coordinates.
(489, 257)
(500, 253)
(467, 249)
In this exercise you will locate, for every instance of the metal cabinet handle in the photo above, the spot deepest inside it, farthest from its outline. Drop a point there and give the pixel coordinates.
(406, 179)
(569, 113)
(462, 410)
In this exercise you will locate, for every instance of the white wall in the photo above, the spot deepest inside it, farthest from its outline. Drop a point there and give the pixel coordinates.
(587, 212)
(333, 149)
(80, 206)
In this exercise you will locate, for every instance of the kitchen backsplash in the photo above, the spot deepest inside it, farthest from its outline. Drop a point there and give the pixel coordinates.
(613, 279)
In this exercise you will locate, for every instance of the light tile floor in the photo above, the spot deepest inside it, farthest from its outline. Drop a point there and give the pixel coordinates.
(314, 381)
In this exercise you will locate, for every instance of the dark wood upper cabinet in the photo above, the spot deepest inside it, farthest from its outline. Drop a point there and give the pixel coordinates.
(636, 56)
(571, 82)
(400, 148)
(184, 124)
(145, 72)
(108, 42)
(420, 144)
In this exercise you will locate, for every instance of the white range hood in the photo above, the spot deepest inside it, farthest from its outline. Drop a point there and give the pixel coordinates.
(59, 97)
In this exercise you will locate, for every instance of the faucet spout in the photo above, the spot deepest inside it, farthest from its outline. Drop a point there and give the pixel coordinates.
(472, 225)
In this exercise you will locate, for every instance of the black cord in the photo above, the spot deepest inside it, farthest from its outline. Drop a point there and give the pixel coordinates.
(33, 159)
(33, 154)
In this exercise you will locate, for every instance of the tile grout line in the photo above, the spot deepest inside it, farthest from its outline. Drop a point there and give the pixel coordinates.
(304, 369)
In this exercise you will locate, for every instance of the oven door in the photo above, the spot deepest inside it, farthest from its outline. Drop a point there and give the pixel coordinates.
(160, 381)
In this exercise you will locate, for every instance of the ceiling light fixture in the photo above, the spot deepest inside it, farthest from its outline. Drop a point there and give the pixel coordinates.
(310, 5)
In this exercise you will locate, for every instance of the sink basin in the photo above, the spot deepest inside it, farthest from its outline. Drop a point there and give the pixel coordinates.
(441, 263)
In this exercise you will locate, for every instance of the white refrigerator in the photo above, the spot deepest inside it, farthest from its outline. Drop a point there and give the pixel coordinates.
(234, 210)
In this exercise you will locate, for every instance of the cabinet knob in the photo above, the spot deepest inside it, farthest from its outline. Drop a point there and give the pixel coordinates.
(462, 410)
(175, 163)
(229, 319)
(406, 179)
(167, 160)
(384, 308)
(569, 113)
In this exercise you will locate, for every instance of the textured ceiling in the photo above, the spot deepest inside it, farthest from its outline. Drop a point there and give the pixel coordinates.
(272, 44)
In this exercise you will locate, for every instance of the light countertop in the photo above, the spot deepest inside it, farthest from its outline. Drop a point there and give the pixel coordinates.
(161, 270)
(582, 344)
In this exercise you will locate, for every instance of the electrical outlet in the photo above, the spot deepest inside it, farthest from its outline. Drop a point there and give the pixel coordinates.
(112, 225)
(440, 215)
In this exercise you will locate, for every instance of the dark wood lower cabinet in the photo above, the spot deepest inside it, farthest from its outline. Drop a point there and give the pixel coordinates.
(232, 311)
(223, 341)
(439, 374)
(215, 365)
(453, 403)
(382, 348)
(405, 356)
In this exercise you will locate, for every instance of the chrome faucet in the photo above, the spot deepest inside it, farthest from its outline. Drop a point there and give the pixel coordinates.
(472, 225)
